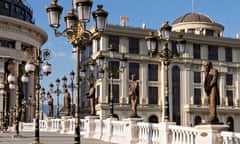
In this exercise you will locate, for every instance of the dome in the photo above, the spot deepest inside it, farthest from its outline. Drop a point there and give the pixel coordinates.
(193, 17)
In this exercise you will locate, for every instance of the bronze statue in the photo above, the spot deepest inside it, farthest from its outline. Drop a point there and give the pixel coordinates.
(211, 89)
(23, 110)
(67, 103)
(133, 94)
(91, 97)
(50, 105)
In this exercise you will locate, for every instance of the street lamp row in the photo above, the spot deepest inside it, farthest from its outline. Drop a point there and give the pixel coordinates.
(38, 68)
(77, 34)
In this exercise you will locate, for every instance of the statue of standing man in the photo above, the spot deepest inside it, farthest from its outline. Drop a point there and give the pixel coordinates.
(133, 94)
(211, 89)
(91, 96)
(50, 105)
(67, 103)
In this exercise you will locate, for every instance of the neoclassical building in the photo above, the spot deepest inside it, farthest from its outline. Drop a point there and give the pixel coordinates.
(188, 103)
(19, 38)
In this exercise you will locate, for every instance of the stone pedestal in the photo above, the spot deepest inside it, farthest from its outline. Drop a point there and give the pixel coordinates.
(49, 123)
(164, 131)
(65, 124)
(107, 136)
(209, 134)
(90, 126)
(130, 130)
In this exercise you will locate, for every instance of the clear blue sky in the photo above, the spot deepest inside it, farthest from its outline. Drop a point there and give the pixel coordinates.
(153, 13)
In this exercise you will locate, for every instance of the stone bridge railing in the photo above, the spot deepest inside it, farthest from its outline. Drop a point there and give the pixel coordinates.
(134, 131)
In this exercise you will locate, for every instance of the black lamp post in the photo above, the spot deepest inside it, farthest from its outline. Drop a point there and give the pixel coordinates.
(57, 91)
(165, 55)
(39, 69)
(78, 36)
(72, 90)
(111, 55)
(43, 98)
(29, 103)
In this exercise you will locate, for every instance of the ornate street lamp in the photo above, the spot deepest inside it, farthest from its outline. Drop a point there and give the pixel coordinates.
(165, 55)
(72, 90)
(14, 84)
(4, 118)
(78, 36)
(111, 55)
(39, 69)
(57, 91)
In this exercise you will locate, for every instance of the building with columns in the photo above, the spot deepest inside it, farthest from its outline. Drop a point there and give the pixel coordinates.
(188, 102)
(19, 38)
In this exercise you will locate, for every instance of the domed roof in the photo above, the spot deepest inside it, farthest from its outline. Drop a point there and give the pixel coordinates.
(193, 17)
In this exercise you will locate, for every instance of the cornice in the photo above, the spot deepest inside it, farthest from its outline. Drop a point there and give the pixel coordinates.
(9, 24)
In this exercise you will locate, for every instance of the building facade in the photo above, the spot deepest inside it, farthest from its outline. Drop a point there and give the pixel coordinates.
(19, 39)
(187, 99)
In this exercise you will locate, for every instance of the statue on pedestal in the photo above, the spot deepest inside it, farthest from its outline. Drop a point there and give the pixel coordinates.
(23, 110)
(67, 103)
(133, 94)
(212, 91)
(91, 97)
(50, 105)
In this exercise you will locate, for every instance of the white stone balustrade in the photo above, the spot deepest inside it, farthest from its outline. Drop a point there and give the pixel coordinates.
(133, 131)
(118, 133)
(183, 135)
(230, 137)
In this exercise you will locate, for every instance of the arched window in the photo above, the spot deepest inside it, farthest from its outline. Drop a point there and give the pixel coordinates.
(153, 119)
(197, 120)
(230, 123)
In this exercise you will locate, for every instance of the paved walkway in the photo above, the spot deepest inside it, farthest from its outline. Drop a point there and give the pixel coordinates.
(45, 138)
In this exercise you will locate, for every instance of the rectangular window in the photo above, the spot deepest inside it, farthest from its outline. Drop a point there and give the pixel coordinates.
(197, 77)
(230, 97)
(229, 79)
(90, 49)
(152, 72)
(134, 69)
(17, 9)
(197, 96)
(114, 41)
(98, 44)
(153, 95)
(196, 51)
(6, 5)
(209, 32)
(8, 44)
(98, 94)
(228, 54)
(212, 52)
(115, 93)
(174, 49)
(133, 45)
(114, 67)
(191, 31)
